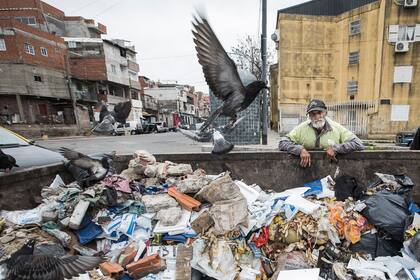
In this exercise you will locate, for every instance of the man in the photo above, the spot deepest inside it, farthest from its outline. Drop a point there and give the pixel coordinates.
(415, 145)
(319, 132)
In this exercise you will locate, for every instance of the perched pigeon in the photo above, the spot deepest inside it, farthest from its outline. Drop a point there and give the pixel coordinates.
(107, 119)
(222, 75)
(24, 265)
(7, 162)
(94, 169)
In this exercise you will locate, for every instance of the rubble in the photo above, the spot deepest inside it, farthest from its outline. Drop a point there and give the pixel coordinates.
(162, 220)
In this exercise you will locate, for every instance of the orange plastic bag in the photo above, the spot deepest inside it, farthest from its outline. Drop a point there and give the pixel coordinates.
(352, 231)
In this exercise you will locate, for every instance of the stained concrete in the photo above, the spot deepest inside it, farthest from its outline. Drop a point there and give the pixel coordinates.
(271, 170)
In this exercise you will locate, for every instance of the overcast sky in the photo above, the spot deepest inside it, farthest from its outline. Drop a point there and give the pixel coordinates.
(161, 29)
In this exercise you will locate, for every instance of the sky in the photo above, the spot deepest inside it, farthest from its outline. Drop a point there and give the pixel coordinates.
(161, 29)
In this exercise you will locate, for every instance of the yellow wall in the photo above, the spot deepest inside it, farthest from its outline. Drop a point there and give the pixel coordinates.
(313, 61)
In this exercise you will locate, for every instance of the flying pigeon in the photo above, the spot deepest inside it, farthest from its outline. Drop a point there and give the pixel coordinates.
(107, 119)
(24, 265)
(7, 162)
(89, 169)
(222, 75)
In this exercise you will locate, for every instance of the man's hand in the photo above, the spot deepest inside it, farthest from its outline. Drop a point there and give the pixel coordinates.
(305, 158)
(331, 154)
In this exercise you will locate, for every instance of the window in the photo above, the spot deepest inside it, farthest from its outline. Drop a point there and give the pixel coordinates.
(409, 33)
(385, 101)
(353, 58)
(44, 51)
(354, 27)
(27, 20)
(352, 87)
(72, 45)
(29, 49)
(400, 113)
(43, 110)
(37, 78)
(403, 74)
(2, 45)
(113, 69)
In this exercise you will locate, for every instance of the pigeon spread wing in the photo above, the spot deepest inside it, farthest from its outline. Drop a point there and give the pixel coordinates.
(122, 111)
(77, 158)
(106, 125)
(48, 267)
(219, 69)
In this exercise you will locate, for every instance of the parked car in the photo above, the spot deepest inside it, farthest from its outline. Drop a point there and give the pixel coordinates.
(162, 127)
(26, 153)
(404, 138)
(184, 126)
(132, 127)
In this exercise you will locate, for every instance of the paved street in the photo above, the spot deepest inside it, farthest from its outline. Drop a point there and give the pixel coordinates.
(169, 142)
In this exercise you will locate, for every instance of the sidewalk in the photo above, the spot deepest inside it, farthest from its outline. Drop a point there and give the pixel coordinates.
(273, 139)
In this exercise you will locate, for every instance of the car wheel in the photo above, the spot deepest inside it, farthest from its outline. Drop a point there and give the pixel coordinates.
(114, 134)
(133, 132)
(409, 144)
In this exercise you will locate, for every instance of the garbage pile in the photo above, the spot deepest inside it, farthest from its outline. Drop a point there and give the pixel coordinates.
(161, 220)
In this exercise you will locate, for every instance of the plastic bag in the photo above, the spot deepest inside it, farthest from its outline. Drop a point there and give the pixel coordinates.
(375, 245)
(221, 265)
(415, 246)
(262, 238)
(222, 188)
(389, 212)
(347, 186)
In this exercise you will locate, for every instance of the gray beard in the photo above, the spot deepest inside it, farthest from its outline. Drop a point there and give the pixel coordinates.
(318, 124)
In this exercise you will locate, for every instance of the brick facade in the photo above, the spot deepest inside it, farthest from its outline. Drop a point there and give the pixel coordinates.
(89, 68)
(15, 52)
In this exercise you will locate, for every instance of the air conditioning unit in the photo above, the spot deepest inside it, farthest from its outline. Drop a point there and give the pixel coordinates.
(401, 47)
(410, 3)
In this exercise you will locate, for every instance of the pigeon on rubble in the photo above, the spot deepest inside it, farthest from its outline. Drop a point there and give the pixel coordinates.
(24, 265)
(7, 162)
(222, 75)
(107, 119)
(96, 169)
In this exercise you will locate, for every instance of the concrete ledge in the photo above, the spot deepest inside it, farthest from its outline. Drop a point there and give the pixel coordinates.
(271, 170)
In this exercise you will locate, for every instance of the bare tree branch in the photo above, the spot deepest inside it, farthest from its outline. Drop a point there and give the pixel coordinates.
(247, 55)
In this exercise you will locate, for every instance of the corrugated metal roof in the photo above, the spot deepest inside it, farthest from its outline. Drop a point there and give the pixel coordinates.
(325, 7)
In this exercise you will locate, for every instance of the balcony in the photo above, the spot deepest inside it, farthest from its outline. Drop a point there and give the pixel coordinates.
(136, 103)
(133, 66)
(86, 96)
(135, 84)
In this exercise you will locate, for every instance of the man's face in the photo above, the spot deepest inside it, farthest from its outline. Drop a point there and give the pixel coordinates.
(317, 118)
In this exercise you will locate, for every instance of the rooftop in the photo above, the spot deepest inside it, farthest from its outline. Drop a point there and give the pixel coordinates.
(325, 7)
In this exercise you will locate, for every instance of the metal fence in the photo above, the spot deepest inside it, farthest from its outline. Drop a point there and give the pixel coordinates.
(352, 114)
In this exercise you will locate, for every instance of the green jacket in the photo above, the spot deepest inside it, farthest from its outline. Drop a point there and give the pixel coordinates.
(333, 134)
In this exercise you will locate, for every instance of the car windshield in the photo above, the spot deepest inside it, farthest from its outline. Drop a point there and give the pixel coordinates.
(9, 139)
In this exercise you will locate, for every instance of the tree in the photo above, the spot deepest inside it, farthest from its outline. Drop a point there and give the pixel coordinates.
(247, 55)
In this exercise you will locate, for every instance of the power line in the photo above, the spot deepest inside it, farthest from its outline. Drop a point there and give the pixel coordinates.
(167, 57)
(81, 8)
(108, 8)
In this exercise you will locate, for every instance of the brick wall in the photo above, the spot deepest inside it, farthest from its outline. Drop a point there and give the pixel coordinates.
(4, 4)
(15, 52)
(88, 68)
(53, 11)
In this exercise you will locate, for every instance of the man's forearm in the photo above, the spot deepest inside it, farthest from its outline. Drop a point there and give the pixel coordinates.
(287, 145)
(352, 145)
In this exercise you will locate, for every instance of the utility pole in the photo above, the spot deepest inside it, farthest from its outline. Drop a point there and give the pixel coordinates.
(264, 71)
